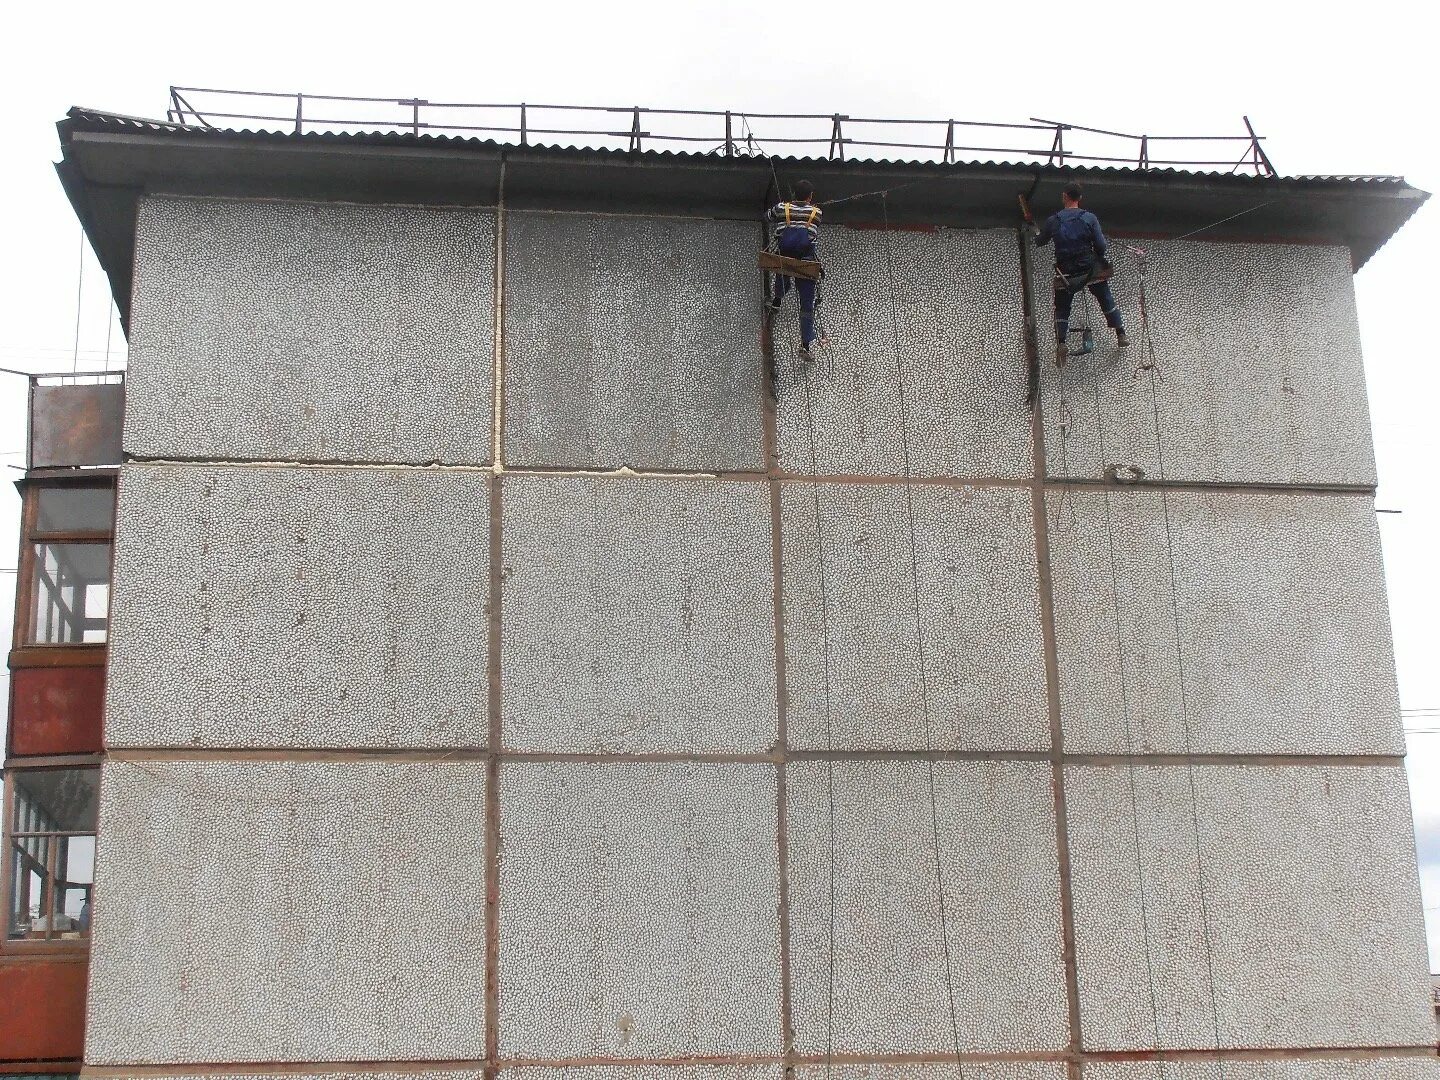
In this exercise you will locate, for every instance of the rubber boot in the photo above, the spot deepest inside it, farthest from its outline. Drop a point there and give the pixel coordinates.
(1062, 353)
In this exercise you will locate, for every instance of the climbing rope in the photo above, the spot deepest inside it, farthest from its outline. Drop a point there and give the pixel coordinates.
(1185, 725)
(920, 635)
(1129, 742)
(829, 728)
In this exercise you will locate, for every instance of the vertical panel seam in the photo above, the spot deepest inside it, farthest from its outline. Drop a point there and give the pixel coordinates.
(1052, 667)
(494, 624)
(770, 453)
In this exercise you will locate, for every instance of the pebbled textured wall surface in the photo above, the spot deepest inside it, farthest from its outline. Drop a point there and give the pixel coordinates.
(272, 911)
(299, 607)
(1216, 933)
(852, 657)
(1258, 372)
(639, 910)
(955, 324)
(638, 615)
(1282, 619)
(1367, 1068)
(1010, 1070)
(996, 827)
(292, 331)
(632, 341)
(676, 856)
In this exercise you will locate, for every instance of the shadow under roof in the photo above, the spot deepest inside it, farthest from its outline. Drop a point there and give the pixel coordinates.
(109, 161)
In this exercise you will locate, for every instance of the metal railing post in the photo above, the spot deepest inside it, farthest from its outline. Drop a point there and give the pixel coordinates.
(299, 114)
(837, 137)
(1057, 148)
(174, 109)
(635, 129)
(950, 143)
(1262, 159)
(1144, 151)
(729, 139)
(524, 129)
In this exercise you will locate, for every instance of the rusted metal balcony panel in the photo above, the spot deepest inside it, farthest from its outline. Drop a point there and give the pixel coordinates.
(42, 1011)
(75, 424)
(57, 710)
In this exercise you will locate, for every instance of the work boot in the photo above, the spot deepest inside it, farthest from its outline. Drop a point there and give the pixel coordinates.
(1121, 341)
(1062, 353)
(806, 353)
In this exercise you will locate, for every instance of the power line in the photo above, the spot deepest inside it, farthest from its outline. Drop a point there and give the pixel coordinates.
(79, 294)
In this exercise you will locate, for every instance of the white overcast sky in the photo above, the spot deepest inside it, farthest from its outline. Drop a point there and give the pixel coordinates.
(1339, 89)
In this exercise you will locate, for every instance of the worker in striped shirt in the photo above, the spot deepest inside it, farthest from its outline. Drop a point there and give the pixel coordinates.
(795, 233)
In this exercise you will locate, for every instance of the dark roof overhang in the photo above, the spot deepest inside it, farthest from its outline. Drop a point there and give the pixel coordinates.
(110, 161)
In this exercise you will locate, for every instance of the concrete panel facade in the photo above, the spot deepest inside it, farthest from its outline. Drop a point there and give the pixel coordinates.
(1361, 1068)
(875, 960)
(853, 678)
(1279, 604)
(344, 921)
(632, 341)
(1258, 376)
(639, 910)
(954, 324)
(737, 830)
(638, 615)
(291, 331)
(1195, 928)
(299, 607)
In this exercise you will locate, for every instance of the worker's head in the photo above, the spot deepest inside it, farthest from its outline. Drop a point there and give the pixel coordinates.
(802, 191)
(1072, 194)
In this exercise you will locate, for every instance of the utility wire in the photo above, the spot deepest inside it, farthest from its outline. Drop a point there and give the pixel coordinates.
(79, 294)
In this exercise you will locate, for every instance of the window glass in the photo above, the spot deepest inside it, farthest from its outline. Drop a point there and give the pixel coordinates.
(50, 846)
(70, 594)
(55, 800)
(74, 509)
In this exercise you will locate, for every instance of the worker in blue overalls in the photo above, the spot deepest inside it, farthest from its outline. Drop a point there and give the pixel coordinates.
(1080, 263)
(795, 233)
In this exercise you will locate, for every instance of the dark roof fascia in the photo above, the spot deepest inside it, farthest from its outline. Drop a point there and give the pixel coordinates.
(109, 162)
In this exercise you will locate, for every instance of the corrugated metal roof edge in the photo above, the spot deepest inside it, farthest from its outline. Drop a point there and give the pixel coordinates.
(86, 119)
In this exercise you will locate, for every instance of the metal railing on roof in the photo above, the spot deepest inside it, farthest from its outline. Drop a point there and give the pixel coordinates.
(834, 135)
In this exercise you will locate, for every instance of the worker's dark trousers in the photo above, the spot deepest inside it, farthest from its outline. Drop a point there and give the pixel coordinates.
(1065, 297)
(808, 291)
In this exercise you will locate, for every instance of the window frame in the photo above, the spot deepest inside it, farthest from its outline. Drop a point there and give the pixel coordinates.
(31, 536)
(12, 769)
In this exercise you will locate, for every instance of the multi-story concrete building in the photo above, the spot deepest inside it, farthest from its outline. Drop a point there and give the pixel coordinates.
(499, 681)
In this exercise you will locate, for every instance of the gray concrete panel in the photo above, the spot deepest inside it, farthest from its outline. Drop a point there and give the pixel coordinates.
(303, 607)
(887, 979)
(644, 1072)
(638, 615)
(288, 911)
(957, 328)
(1221, 905)
(852, 662)
(267, 330)
(331, 1074)
(632, 341)
(1258, 375)
(969, 1070)
(1282, 615)
(639, 910)
(1369, 1067)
